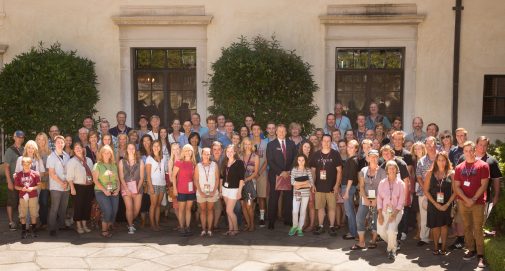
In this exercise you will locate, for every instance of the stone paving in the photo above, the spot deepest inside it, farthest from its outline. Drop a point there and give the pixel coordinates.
(262, 250)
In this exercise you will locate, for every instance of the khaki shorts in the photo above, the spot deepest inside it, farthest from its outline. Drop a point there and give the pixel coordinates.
(457, 217)
(326, 199)
(261, 185)
(201, 199)
(32, 205)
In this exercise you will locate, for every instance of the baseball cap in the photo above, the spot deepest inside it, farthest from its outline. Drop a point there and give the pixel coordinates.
(19, 133)
(373, 152)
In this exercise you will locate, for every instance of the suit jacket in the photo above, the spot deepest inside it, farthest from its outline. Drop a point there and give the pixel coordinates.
(275, 159)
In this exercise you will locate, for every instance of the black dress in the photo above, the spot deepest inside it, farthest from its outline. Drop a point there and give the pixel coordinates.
(438, 218)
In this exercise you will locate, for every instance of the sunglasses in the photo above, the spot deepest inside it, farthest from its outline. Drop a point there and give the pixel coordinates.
(444, 137)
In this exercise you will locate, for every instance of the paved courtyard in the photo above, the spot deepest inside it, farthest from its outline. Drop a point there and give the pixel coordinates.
(165, 250)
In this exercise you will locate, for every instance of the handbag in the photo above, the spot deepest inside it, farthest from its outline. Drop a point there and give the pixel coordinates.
(249, 191)
(283, 183)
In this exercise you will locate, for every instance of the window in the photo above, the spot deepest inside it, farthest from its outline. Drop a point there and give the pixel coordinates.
(164, 83)
(493, 105)
(366, 74)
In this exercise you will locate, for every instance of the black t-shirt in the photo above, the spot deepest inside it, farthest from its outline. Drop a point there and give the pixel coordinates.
(404, 155)
(362, 162)
(350, 171)
(454, 155)
(494, 173)
(233, 174)
(328, 162)
(404, 172)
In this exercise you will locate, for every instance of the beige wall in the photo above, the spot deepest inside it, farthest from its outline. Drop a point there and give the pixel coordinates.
(87, 27)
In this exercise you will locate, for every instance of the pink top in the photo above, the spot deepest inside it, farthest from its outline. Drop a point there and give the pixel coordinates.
(391, 194)
(185, 177)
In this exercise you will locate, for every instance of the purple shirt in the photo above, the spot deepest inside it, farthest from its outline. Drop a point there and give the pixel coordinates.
(391, 194)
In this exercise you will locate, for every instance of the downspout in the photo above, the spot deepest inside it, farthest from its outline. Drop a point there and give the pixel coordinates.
(455, 75)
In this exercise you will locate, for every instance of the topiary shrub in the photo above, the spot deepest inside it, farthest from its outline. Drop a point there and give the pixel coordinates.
(47, 86)
(262, 79)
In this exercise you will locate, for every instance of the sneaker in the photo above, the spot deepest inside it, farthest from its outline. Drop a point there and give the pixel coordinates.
(469, 255)
(292, 231)
(398, 245)
(456, 245)
(391, 255)
(131, 230)
(188, 232)
(319, 230)
(262, 223)
(299, 232)
(482, 262)
(209, 233)
(332, 231)
(404, 236)
(12, 226)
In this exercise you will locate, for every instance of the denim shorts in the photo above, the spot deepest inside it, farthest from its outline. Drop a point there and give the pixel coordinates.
(186, 197)
(159, 189)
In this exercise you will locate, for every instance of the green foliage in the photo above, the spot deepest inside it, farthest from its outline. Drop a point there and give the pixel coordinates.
(495, 253)
(262, 79)
(497, 216)
(47, 86)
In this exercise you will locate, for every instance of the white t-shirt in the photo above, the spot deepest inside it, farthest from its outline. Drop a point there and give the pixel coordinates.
(59, 165)
(157, 170)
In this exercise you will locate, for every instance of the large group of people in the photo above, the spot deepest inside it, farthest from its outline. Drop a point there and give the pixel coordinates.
(369, 173)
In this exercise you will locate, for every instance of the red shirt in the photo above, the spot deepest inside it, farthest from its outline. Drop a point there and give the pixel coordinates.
(30, 179)
(469, 176)
(185, 177)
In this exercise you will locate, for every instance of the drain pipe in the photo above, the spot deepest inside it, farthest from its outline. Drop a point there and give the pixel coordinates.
(455, 75)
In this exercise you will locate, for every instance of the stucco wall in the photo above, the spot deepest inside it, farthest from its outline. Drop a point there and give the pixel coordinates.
(87, 27)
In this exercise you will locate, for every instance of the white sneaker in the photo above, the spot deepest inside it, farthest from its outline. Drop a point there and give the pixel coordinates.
(131, 230)
(404, 236)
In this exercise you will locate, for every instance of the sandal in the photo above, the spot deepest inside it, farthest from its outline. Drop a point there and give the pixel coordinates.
(372, 245)
(357, 247)
(106, 234)
(436, 252)
(228, 233)
(442, 252)
(234, 233)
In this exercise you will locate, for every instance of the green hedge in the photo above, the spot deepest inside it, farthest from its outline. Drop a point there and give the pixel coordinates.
(495, 253)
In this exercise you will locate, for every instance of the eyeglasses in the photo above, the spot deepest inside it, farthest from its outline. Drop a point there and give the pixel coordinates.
(446, 136)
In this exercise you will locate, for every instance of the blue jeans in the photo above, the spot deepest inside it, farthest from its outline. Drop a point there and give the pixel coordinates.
(349, 210)
(361, 216)
(108, 206)
(43, 205)
(238, 212)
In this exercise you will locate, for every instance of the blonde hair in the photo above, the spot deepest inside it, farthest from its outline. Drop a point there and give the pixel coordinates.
(413, 149)
(43, 150)
(103, 149)
(392, 163)
(120, 136)
(242, 145)
(33, 145)
(136, 155)
(186, 148)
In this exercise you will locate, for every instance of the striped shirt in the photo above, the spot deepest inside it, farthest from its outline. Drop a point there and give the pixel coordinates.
(295, 173)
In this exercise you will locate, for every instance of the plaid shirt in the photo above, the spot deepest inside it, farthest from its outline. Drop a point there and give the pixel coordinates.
(423, 165)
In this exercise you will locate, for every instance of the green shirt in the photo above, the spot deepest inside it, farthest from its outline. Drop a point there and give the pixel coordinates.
(11, 158)
(107, 173)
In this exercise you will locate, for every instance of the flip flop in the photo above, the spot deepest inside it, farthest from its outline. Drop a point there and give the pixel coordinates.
(356, 247)
(372, 245)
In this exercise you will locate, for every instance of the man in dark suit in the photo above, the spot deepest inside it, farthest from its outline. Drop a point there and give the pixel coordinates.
(281, 153)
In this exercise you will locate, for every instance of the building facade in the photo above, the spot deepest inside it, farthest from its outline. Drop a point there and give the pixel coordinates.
(153, 56)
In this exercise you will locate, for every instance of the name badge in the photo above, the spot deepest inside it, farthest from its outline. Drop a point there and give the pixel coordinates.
(440, 197)
(466, 183)
(371, 194)
(206, 189)
(226, 184)
(322, 174)
(190, 187)
(389, 210)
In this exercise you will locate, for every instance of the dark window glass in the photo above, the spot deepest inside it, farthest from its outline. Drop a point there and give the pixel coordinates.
(164, 83)
(493, 106)
(366, 74)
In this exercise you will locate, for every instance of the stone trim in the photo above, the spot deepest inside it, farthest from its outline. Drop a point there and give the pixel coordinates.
(3, 49)
(371, 19)
(161, 20)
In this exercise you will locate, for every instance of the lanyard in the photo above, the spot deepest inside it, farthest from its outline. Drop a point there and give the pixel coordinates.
(323, 159)
(339, 123)
(391, 187)
(61, 160)
(372, 179)
(206, 172)
(468, 171)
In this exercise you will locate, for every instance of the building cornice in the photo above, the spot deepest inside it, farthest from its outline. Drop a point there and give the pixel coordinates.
(371, 19)
(3, 48)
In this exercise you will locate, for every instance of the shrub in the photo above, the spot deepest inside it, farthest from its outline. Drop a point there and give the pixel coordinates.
(262, 79)
(47, 86)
